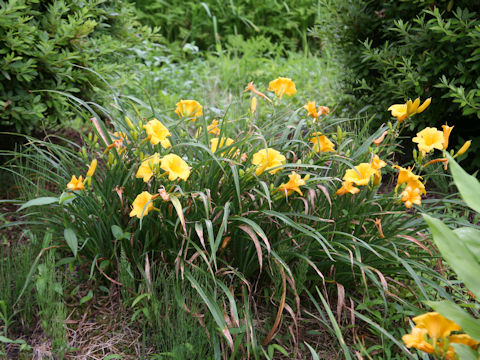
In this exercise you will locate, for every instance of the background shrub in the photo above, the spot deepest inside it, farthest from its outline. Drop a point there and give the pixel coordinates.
(397, 50)
(46, 45)
(209, 22)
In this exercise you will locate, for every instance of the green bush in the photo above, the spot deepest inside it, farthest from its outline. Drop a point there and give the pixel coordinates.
(207, 23)
(47, 45)
(397, 48)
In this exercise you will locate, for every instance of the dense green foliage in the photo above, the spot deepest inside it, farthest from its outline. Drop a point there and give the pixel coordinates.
(403, 49)
(207, 23)
(47, 45)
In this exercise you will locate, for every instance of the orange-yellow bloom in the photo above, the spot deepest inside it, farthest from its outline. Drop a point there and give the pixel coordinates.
(175, 167)
(429, 139)
(311, 107)
(314, 112)
(92, 168)
(157, 133)
(446, 134)
(213, 128)
(321, 143)
(224, 142)
(293, 184)
(377, 163)
(268, 159)
(463, 339)
(189, 109)
(142, 205)
(75, 184)
(147, 166)
(411, 195)
(417, 340)
(347, 187)
(282, 86)
(436, 325)
(402, 111)
(360, 175)
(405, 175)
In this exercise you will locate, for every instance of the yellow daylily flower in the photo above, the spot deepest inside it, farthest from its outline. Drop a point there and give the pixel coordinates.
(311, 107)
(360, 175)
(293, 184)
(416, 339)
(213, 128)
(429, 139)
(347, 187)
(463, 339)
(405, 175)
(267, 159)
(189, 109)
(436, 325)
(321, 143)
(411, 195)
(446, 134)
(377, 163)
(147, 166)
(410, 108)
(157, 133)
(92, 168)
(224, 142)
(142, 204)
(175, 167)
(76, 184)
(282, 86)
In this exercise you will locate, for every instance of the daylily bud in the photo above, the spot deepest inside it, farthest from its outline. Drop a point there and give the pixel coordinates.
(464, 148)
(424, 105)
(129, 123)
(91, 169)
(253, 105)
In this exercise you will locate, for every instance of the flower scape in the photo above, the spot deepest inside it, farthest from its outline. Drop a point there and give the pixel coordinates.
(238, 199)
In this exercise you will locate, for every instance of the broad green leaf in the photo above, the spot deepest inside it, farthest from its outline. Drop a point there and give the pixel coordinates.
(71, 239)
(467, 184)
(117, 232)
(464, 352)
(455, 313)
(39, 201)
(456, 253)
(471, 238)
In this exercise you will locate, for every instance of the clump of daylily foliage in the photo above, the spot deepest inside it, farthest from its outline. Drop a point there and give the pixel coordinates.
(245, 198)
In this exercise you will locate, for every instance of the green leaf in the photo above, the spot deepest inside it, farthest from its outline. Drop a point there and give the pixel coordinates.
(87, 297)
(464, 352)
(117, 232)
(467, 184)
(455, 313)
(71, 239)
(39, 201)
(471, 238)
(456, 253)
